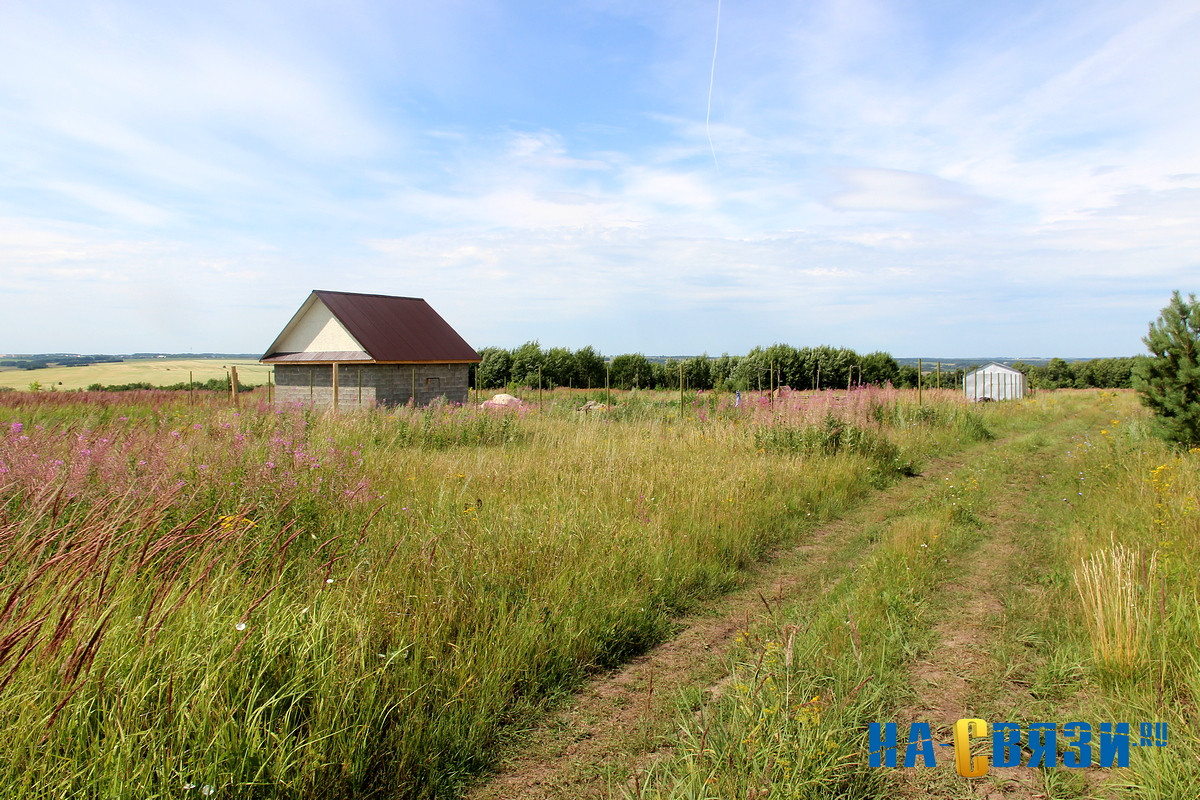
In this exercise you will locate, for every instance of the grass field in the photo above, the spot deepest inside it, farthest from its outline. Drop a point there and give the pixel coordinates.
(282, 603)
(1040, 580)
(155, 371)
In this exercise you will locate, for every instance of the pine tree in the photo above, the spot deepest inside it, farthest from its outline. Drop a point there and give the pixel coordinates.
(1169, 381)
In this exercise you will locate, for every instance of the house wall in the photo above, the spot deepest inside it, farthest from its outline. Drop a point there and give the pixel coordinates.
(367, 385)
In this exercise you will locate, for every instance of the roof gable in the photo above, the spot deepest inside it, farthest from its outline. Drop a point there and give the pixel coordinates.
(357, 327)
(314, 328)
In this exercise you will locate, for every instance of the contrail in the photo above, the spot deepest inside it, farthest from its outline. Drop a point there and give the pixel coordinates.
(711, 76)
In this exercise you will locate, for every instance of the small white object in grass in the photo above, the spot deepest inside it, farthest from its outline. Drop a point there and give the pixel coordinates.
(329, 580)
(241, 626)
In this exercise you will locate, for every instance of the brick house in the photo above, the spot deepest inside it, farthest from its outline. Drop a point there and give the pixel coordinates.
(348, 350)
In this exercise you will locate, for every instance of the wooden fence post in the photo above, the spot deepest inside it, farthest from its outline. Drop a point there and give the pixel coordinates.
(233, 384)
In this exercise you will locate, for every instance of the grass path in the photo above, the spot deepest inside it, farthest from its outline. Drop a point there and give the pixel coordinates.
(608, 733)
(984, 664)
(981, 651)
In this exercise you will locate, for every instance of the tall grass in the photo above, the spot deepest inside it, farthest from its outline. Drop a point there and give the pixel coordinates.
(264, 602)
(1137, 532)
(810, 676)
(807, 680)
(1116, 588)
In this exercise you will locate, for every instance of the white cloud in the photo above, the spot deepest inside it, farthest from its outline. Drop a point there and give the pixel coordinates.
(866, 189)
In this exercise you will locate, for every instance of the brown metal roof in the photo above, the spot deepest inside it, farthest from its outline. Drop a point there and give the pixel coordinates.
(397, 329)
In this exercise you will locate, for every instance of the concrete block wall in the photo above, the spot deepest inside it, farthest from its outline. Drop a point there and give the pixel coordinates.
(375, 384)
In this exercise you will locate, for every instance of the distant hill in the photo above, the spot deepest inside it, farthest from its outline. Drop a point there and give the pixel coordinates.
(88, 358)
(964, 363)
(950, 364)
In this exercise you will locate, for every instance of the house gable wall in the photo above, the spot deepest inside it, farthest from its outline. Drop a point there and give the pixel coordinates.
(317, 330)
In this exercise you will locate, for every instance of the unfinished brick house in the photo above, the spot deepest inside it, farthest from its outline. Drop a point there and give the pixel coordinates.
(348, 350)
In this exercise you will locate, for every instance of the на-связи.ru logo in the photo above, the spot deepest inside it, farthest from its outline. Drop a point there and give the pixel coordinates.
(1107, 745)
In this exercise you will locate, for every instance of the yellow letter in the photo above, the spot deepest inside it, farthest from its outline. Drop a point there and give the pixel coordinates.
(964, 731)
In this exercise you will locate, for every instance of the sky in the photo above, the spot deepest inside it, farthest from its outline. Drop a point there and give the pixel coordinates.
(928, 178)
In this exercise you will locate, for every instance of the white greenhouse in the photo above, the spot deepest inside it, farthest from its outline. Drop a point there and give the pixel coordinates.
(995, 382)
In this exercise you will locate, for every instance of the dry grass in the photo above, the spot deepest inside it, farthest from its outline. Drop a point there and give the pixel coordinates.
(1116, 590)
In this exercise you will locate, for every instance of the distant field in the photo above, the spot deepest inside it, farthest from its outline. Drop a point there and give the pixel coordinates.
(155, 371)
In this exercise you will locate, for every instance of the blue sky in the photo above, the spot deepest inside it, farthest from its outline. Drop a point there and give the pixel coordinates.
(927, 178)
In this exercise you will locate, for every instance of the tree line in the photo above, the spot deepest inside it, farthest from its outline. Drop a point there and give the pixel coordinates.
(761, 368)
(799, 368)
(1096, 373)
(58, 361)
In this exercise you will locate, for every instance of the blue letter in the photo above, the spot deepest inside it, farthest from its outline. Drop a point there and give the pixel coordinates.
(1043, 751)
(920, 741)
(1114, 744)
(1006, 744)
(885, 744)
(1083, 736)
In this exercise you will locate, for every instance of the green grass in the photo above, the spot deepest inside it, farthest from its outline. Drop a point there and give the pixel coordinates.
(281, 603)
(1073, 475)
(808, 679)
